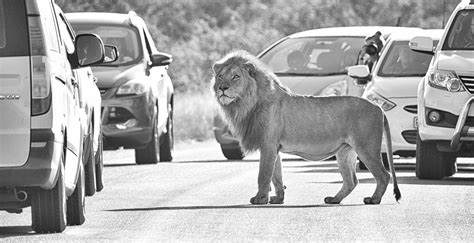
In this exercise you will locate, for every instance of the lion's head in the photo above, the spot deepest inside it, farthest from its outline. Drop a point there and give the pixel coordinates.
(243, 85)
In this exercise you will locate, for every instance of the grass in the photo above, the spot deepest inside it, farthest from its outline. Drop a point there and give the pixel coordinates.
(193, 116)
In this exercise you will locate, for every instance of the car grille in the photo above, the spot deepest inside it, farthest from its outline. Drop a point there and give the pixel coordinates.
(468, 81)
(409, 136)
(118, 115)
(411, 108)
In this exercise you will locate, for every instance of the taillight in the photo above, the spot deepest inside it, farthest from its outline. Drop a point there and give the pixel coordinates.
(40, 78)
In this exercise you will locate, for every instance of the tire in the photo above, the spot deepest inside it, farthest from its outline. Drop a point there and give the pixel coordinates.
(450, 165)
(99, 165)
(90, 166)
(233, 153)
(384, 160)
(48, 207)
(149, 154)
(430, 163)
(76, 210)
(167, 141)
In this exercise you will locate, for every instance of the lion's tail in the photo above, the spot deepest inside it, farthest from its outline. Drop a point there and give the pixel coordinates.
(388, 138)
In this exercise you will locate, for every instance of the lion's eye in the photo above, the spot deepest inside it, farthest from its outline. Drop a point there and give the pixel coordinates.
(235, 77)
(220, 76)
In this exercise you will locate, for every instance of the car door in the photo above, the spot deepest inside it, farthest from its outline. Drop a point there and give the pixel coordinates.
(73, 112)
(158, 77)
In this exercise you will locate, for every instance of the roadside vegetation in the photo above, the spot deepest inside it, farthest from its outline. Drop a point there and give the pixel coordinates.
(199, 32)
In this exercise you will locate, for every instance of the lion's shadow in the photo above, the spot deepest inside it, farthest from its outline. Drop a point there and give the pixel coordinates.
(239, 207)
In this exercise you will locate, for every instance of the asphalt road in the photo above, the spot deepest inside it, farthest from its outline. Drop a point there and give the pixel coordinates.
(203, 197)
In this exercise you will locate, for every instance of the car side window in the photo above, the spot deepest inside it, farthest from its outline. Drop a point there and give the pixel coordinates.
(49, 25)
(150, 45)
(66, 34)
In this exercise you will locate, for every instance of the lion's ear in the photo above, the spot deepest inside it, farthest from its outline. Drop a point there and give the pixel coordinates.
(216, 67)
(250, 67)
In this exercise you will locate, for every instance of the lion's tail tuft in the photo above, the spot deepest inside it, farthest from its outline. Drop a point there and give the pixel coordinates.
(397, 194)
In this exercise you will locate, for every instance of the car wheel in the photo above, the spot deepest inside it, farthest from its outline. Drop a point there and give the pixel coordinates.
(167, 141)
(233, 153)
(99, 165)
(430, 163)
(149, 154)
(90, 166)
(450, 165)
(48, 207)
(384, 160)
(76, 210)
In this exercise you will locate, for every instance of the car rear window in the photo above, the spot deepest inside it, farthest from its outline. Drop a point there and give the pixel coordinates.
(125, 38)
(13, 28)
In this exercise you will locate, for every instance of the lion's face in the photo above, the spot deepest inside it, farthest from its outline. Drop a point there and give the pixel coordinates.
(230, 83)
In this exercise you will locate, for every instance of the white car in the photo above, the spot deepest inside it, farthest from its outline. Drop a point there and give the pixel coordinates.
(41, 138)
(393, 86)
(445, 97)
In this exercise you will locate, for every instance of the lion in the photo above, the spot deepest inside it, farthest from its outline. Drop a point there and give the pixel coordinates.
(265, 115)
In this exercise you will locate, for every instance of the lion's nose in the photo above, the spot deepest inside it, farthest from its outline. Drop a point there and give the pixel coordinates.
(224, 87)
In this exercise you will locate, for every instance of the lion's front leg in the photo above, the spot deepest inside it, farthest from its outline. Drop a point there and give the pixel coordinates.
(267, 163)
(277, 180)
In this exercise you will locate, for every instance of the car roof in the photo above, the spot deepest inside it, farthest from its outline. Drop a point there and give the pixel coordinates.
(435, 34)
(351, 31)
(105, 18)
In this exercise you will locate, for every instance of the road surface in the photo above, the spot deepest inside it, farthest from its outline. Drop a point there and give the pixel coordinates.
(203, 197)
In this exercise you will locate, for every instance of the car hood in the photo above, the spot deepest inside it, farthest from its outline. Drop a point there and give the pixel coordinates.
(309, 85)
(395, 87)
(458, 61)
(108, 76)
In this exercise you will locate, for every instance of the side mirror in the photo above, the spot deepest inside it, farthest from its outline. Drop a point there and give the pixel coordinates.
(161, 59)
(360, 73)
(111, 54)
(89, 50)
(422, 44)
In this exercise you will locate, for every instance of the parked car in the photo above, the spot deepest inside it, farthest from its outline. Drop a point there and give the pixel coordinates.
(40, 127)
(90, 102)
(312, 62)
(445, 95)
(137, 92)
(392, 85)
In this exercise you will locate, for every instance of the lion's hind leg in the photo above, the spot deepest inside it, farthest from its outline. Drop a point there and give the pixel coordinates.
(373, 161)
(346, 160)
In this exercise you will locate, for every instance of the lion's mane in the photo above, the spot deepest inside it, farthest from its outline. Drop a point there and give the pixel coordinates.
(248, 115)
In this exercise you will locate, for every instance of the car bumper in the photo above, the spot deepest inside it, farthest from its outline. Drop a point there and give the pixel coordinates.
(402, 122)
(457, 112)
(42, 164)
(127, 121)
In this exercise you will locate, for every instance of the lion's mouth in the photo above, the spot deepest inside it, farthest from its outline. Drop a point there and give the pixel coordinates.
(225, 99)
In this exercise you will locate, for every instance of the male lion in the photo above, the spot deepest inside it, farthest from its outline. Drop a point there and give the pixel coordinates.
(267, 116)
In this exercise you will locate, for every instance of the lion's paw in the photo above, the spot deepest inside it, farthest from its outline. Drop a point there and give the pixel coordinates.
(276, 200)
(370, 200)
(258, 199)
(331, 200)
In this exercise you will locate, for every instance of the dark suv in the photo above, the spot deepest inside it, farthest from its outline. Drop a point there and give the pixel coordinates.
(137, 93)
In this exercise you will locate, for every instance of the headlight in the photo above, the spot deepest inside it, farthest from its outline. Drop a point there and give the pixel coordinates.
(445, 80)
(335, 89)
(133, 87)
(377, 99)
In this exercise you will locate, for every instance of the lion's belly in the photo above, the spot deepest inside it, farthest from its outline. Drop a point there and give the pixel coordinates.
(312, 151)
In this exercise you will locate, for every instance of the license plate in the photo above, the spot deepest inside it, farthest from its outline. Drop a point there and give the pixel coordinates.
(415, 122)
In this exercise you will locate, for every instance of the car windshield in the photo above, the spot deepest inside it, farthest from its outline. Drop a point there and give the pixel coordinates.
(461, 32)
(313, 56)
(124, 38)
(401, 61)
